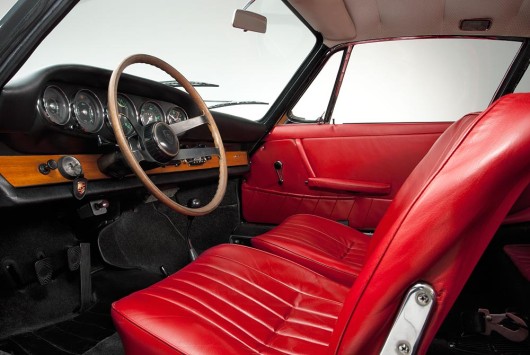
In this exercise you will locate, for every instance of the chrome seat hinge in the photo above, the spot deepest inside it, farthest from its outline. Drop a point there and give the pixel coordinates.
(407, 330)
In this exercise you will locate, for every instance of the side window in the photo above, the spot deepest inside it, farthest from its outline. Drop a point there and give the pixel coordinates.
(420, 80)
(315, 100)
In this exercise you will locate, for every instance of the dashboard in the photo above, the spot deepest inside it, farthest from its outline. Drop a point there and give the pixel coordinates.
(60, 114)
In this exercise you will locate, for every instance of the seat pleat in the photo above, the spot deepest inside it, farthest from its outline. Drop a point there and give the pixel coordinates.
(177, 308)
(309, 283)
(248, 300)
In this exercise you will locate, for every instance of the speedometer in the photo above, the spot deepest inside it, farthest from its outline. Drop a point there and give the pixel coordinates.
(150, 112)
(88, 111)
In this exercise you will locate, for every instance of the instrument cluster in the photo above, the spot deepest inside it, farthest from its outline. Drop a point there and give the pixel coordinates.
(85, 111)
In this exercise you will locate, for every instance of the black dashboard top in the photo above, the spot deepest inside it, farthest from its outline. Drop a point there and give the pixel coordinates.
(63, 109)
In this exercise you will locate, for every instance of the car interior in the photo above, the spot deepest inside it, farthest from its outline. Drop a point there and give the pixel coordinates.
(289, 177)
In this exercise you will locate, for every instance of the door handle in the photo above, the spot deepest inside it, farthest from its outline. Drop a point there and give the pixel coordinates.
(278, 166)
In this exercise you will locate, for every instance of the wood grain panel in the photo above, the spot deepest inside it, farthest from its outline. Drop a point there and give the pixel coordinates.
(23, 171)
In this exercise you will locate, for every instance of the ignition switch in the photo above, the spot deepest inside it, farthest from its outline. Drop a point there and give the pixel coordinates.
(69, 167)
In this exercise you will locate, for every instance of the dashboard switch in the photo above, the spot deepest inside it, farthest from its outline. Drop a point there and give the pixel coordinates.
(44, 169)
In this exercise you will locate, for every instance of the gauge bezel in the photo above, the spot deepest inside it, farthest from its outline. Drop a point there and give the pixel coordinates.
(109, 122)
(155, 104)
(100, 112)
(178, 108)
(45, 112)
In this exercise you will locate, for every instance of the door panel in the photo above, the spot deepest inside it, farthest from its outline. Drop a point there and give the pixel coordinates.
(344, 172)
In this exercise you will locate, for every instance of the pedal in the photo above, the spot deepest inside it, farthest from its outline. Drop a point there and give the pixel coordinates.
(44, 270)
(74, 257)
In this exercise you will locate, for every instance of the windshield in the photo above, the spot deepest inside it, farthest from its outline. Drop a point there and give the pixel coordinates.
(238, 72)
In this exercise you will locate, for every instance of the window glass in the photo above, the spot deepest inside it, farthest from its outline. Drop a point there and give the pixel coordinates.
(196, 37)
(422, 80)
(315, 100)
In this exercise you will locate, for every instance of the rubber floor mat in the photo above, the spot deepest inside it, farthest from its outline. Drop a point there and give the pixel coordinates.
(73, 336)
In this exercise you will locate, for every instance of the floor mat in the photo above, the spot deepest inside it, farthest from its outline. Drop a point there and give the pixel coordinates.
(145, 239)
(73, 336)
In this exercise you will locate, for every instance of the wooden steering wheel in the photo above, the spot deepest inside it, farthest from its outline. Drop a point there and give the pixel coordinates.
(158, 142)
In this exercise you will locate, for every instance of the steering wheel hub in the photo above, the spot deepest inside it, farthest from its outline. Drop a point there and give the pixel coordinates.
(160, 142)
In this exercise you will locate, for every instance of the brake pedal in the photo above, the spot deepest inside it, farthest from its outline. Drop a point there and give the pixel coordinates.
(44, 270)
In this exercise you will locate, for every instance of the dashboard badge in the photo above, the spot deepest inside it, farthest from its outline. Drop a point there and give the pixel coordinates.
(80, 186)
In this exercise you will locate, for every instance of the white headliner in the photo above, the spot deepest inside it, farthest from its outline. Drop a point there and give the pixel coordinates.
(342, 21)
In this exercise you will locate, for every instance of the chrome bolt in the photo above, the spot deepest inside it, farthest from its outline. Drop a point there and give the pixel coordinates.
(423, 299)
(403, 348)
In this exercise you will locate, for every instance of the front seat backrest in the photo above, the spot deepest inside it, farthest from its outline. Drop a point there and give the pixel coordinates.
(440, 222)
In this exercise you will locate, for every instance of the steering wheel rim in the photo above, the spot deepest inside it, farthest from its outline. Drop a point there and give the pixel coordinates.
(123, 143)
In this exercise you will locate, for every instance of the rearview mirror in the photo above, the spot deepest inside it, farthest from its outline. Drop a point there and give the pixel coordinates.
(249, 21)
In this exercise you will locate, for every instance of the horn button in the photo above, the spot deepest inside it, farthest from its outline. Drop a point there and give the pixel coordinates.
(160, 142)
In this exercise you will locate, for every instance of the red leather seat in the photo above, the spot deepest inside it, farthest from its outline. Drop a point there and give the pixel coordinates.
(328, 247)
(321, 244)
(235, 299)
(232, 300)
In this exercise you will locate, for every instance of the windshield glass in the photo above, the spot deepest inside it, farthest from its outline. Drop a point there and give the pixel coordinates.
(248, 70)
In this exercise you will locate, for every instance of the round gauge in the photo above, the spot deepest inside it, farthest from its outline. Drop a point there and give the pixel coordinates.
(150, 112)
(128, 114)
(56, 107)
(88, 111)
(176, 114)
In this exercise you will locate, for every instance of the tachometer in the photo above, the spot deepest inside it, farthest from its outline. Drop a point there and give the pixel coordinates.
(150, 112)
(56, 106)
(128, 114)
(88, 111)
(176, 114)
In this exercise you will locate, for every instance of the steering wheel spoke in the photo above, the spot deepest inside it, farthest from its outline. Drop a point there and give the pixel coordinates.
(158, 142)
(183, 126)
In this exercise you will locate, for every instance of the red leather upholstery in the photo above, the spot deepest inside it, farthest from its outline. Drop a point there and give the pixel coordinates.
(232, 300)
(520, 255)
(240, 300)
(377, 154)
(441, 221)
(330, 248)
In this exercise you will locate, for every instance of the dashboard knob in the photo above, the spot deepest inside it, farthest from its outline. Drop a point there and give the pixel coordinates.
(160, 142)
(194, 203)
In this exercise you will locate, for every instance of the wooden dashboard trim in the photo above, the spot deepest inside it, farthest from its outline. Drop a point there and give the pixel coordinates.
(23, 171)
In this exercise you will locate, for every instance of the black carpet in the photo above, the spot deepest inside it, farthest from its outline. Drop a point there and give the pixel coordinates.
(109, 346)
(143, 238)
